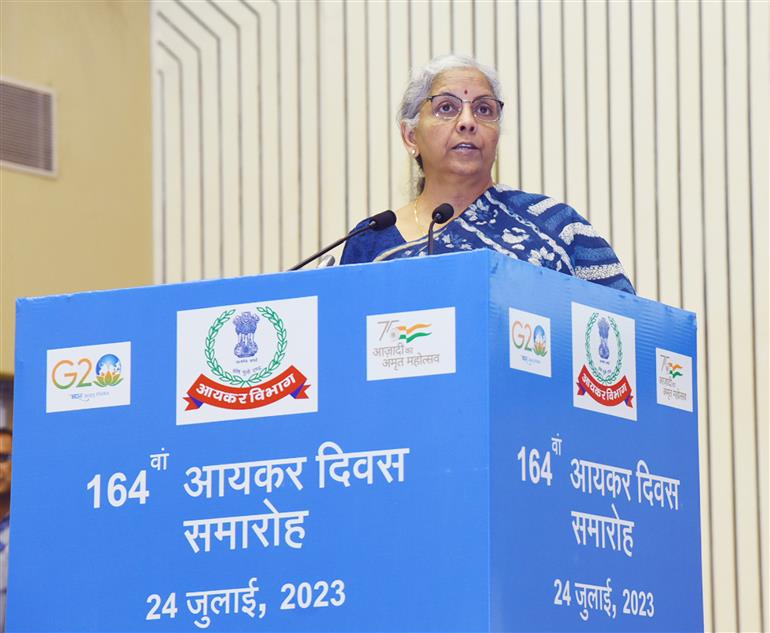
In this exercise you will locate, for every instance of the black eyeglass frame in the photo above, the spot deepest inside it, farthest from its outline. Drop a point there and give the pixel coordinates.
(464, 101)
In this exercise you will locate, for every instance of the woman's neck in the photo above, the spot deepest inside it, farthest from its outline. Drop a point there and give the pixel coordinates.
(459, 194)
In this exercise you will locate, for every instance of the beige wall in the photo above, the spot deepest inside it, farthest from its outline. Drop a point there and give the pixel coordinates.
(90, 227)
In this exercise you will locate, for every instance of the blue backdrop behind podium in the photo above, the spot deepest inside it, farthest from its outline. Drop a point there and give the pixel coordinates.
(454, 443)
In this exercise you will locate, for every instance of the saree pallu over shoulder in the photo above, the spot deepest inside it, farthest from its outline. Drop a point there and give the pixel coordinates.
(525, 226)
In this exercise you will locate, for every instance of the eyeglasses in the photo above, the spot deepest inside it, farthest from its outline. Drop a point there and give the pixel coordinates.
(448, 106)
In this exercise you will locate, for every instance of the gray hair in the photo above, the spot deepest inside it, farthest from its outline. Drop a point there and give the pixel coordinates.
(418, 89)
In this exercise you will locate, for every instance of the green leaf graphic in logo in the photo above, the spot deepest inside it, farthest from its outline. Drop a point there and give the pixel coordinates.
(600, 374)
(409, 333)
(673, 370)
(108, 379)
(256, 378)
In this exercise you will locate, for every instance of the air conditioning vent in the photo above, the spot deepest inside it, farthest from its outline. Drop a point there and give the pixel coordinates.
(27, 128)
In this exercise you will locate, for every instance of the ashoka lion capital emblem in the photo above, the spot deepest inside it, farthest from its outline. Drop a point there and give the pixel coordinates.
(604, 333)
(245, 326)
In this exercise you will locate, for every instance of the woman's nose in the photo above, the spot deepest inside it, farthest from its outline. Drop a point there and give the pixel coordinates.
(466, 122)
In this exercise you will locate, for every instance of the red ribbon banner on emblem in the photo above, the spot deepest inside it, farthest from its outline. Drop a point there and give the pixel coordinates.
(608, 395)
(206, 391)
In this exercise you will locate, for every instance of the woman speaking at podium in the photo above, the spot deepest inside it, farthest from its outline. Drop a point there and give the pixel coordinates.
(450, 124)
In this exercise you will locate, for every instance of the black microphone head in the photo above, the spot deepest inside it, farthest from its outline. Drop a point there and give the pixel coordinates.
(443, 213)
(382, 220)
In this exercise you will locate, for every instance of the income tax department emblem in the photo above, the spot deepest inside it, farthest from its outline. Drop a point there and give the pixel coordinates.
(604, 361)
(251, 357)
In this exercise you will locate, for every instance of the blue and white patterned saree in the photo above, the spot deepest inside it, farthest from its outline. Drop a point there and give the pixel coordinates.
(526, 226)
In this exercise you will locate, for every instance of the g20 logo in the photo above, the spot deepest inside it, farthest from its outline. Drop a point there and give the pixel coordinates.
(525, 337)
(76, 374)
(88, 376)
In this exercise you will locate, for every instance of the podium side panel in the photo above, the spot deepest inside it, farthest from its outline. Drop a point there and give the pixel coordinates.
(594, 506)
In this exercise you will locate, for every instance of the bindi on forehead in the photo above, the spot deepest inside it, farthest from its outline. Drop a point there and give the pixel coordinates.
(465, 82)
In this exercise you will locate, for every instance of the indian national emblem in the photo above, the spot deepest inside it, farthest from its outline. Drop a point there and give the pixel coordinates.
(604, 332)
(245, 326)
(602, 368)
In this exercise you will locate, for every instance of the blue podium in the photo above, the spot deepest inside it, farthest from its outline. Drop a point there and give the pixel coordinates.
(453, 443)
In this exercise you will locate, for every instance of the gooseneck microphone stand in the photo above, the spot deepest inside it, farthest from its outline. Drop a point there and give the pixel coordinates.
(441, 214)
(377, 222)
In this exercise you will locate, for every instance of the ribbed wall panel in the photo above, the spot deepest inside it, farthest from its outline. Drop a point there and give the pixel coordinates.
(759, 176)
(275, 132)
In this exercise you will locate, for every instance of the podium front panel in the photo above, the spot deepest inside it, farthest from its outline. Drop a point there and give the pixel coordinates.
(129, 513)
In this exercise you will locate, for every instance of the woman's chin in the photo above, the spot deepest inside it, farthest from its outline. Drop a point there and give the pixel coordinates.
(468, 169)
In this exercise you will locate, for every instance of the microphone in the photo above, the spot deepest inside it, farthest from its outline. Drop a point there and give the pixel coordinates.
(441, 214)
(377, 222)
